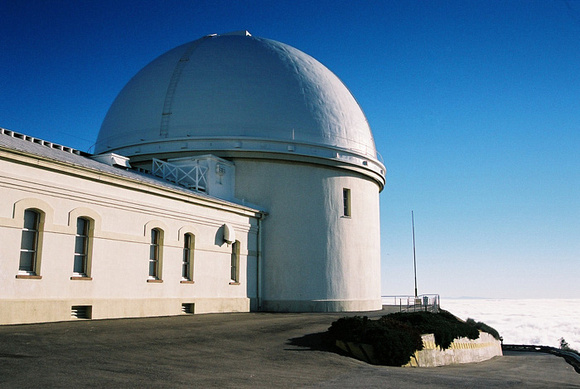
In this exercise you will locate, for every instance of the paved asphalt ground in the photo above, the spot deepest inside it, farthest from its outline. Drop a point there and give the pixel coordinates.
(234, 350)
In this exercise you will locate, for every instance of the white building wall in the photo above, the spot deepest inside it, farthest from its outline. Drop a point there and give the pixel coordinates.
(123, 214)
(314, 258)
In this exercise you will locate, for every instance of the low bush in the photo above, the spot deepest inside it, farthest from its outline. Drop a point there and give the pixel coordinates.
(443, 325)
(484, 328)
(393, 342)
(564, 346)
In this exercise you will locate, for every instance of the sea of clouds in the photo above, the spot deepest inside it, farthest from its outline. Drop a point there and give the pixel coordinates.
(524, 321)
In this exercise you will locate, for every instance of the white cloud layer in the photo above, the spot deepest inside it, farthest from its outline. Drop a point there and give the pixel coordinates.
(526, 321)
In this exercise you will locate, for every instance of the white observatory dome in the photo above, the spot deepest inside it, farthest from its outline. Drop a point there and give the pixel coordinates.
(234, 95)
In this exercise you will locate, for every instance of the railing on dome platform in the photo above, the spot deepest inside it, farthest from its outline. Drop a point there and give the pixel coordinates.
(192, 177)
(423, 302)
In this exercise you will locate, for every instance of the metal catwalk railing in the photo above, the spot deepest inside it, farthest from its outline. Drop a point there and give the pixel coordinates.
(423, 302)
(192, 177)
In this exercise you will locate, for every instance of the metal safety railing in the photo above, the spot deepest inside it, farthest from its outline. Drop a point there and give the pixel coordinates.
(423, 302)
(192, 177)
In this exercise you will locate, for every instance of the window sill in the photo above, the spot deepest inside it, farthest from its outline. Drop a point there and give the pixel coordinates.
(186, 282)
(81, 278)
(28, 277)
(155, 281)
(234, 283)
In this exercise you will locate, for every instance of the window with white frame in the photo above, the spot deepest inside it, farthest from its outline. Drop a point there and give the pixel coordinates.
(29, 244)
(81, 257)
(155, 254)
(235, 262)
(188, 253)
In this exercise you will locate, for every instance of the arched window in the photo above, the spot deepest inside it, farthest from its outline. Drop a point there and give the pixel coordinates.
(82, 248)
(188, 253)
(155, 254)
(235, 263)
(29, 244)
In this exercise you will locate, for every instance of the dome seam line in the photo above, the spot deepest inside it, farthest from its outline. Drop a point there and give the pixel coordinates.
(172, 87)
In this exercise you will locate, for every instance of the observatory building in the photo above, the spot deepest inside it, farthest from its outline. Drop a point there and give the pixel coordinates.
(232, 173)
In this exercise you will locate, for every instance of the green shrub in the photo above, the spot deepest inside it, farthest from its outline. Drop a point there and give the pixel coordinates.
(485, 328)
(393, 342)
(566, 347)
(443, 325)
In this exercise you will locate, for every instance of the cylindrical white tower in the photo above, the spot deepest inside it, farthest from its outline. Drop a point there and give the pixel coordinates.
(302, 150)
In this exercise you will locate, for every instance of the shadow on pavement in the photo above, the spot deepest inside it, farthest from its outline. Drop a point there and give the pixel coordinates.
(319, 341)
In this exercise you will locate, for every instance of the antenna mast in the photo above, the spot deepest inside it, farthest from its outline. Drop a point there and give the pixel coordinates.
(414, 257)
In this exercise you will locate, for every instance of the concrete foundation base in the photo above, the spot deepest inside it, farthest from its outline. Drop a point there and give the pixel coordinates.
(39, 311)
(321, 305)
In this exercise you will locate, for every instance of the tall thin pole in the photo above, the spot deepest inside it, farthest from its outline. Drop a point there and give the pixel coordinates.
(414, 256)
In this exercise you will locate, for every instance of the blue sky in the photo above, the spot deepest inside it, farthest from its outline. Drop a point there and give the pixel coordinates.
(474, 105)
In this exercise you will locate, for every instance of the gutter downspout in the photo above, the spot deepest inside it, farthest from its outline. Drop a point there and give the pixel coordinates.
(259, 261)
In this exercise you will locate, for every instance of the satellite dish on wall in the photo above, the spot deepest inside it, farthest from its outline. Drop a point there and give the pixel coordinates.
(229, 234)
